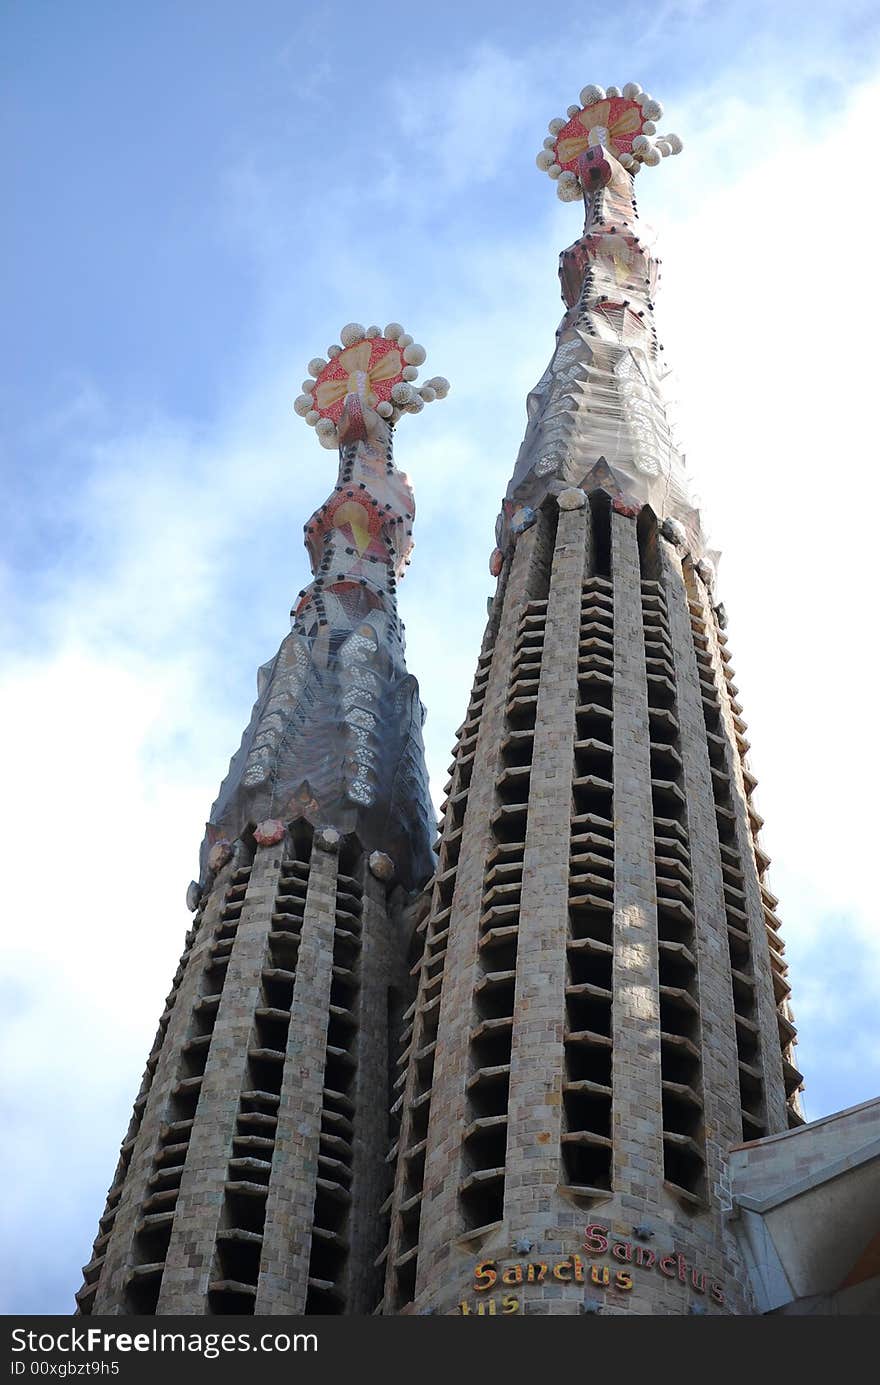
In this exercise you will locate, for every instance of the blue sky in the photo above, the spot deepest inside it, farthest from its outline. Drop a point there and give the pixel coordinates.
(200, 195)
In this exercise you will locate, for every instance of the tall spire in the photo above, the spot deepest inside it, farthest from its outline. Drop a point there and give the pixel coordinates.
(596, 418)
(252, 1175)
(602, 1001)
(335, 736)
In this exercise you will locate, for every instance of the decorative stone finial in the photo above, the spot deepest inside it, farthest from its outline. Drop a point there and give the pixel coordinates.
(706, 571)
(370, 368)
(621, 121)
(381, 866)
(328, 839)
(572, 498)
(219, 855)
(674, 531)
(270, 832)
(193, 895)
(522, 519)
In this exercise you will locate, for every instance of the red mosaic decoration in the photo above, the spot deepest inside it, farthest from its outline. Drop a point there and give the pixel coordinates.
(371, 369)
(619, 121)
(219, 855)
(379, 360)
(269, 833)
(622, 119)
(625, 505)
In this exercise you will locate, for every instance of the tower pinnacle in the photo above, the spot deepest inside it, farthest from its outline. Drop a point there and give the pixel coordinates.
(335, 735)
(597, 416)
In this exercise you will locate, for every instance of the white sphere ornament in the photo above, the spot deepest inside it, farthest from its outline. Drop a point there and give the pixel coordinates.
(640, 143)
(307, 386)
(545, 159)
(316, 365)
(415, 354)
(652, 110)
(401, 393)
(675, 143)
(649, 128)
(410, 372)
(631, 90)
(404, 340)
(440, 385)
(374, 332)
(312, 417)
(416, 404)
(568, 192)
(384, 409)
(427, 394)
(663, 148)
(549, 142)
(325, 426)
(352, 333)
(556, 125)
(334, 351)
(652, 157)
(393, 331)
(303, 404)
(612, 91)
(591, 94)
(554, 170)
(327, 440)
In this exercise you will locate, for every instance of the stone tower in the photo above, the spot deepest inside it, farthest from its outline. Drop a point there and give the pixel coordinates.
(602, 1005)
(252, 1173)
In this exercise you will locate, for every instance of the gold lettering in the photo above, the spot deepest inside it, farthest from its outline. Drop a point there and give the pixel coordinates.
(485, 1276)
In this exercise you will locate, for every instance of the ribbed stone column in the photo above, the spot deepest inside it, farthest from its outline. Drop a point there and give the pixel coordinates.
(187, 1270)
(287, 1239)
(441, 1216)
(720, 1076)
(379, 968)
(765, 1003)
(117, 1262)
(637, 1120)
(537, 1055)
